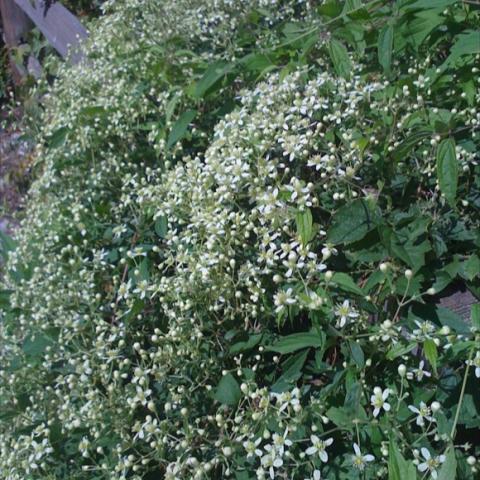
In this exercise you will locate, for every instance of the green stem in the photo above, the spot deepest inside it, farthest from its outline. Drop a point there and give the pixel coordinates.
(462, 393)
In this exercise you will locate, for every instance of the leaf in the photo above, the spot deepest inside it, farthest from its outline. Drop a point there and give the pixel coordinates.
(180, 128)
(402, 151)
(429, 4)
(471, 268)
(297, 341)
(212, 75)
(7, 244)
(357, 354)
(398, 467)
(385, 47)
(449, 468)
(304, 222)
(431, 353)
(161, 226)
(398, 350)
(475, 315)
(467, 43)
(292, 371)
(346, 282)
(36, 344)
(243, 346)
(352, 222)
(339, 417)
(341, 60)
(57, 139)
(447, 170)
(228, 391)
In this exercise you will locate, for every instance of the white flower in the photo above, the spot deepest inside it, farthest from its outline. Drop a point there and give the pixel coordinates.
(419, 373)
(378, 400)
(422, 413)
(123, 290)
(283, 299)
(345, 312)
(430, 464)
(251, 447)
(359, 460)
(287, 398)
(319, 447)
(281, 441)
(270, 460)
(476, 363)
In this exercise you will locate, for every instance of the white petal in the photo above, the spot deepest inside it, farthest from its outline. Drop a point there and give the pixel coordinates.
(323, 456)
(369, 458)
(356, 448)
(328, 441)
(423, 467)
(425, 453)
(310, 450)
(386, 407)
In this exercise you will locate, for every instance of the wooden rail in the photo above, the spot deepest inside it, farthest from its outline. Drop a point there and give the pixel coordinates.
(60, 27)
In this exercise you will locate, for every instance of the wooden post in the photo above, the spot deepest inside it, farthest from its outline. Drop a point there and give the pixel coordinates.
(62, 29)
(15, 24)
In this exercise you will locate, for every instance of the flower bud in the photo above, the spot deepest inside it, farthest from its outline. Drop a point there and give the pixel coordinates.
(402, 370)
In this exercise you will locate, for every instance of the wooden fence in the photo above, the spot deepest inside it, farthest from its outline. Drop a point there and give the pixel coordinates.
(60, 27)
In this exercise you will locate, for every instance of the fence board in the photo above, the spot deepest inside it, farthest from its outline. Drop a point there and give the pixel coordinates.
(61, 28)
(15, 24)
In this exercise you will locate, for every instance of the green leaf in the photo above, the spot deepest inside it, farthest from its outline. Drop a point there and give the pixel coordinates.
(398, 467)
(471, 268)
(57, 139)
(467, 43)
(398, 350)
(7, 244)
(36, 344)
(340, 417)
(212, 75)
(447, 170)
(297, 341)
(403, 150)
(346, 282)
(161, 226)
(475, 315)
(304, 222)
(228, 391)
(352, 222)
(429, 4)
(341, 60)
(243, 346)
(357, 354)
(385, 47)
(431, 353)
(449, 468)
(180, 128)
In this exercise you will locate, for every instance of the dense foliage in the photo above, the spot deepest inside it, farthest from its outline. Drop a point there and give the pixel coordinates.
(244, 214)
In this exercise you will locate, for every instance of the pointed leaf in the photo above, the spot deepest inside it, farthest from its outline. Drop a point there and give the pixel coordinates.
(341, 60)
(385, 46)
(447, 170)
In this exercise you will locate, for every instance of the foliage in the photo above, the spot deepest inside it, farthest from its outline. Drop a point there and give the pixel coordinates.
(230, 260)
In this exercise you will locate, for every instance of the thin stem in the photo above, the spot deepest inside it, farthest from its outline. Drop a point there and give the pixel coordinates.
(462, 393)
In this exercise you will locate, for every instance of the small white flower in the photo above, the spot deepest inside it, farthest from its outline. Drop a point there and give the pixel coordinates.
(286, 399)
(419, 373)
(283, 299)
(378, 400)
(345, 312)
(281, 441)
(430, 464)
(476, 363)
(319, 447)
(360, 461)
(251, 447)
(423, 413)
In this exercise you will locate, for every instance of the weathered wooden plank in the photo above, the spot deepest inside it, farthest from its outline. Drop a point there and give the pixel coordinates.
(61, 28)
(15, 24)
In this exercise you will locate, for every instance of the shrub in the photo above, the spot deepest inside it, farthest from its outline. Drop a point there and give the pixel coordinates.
(230, 259)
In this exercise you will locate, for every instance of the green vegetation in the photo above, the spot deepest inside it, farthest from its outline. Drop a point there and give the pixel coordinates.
(243, 214)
